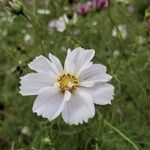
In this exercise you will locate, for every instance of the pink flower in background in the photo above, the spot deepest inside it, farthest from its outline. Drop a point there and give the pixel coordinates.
(84, 9)
(100, 4)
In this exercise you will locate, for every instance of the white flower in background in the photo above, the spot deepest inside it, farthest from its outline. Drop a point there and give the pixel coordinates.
(94, 23)
(60, 24)
(6, 17)
(43, 11)
(116, 53)
(28, 38)
(74, 18)
(140, 40)
(63, 49)
(47, 140)
(123, 1)
(71, 90)
(26, 131)
(64, 18)
(120, 31)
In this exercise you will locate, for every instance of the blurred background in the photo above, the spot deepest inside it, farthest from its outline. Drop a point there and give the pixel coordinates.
(119, 31)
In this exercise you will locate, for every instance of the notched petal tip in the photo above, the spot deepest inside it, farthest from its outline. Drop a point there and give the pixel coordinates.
(31, 63)
(40, 64)
(109, 77)
(92, 51)
(81, 49)
(22, 92)
(69, 50)
(79, 122)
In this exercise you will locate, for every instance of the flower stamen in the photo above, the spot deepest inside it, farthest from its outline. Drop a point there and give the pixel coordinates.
(68, 82)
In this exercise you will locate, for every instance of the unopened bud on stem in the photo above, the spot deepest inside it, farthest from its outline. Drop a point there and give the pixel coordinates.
(15, 6)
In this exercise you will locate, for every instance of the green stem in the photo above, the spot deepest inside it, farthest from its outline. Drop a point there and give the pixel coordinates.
(31, 18)
(119, 41)
(121, 134)
(28, 19)
(137, 29)
(5, 49)
(119, 37)
(118, 132)
(9, 54)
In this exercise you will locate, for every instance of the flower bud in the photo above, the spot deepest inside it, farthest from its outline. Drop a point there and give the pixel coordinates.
(15, 6)
(100, 4)
(147, 13)
(84, 9)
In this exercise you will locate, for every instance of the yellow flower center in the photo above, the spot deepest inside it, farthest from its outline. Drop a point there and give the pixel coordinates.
(68, 82)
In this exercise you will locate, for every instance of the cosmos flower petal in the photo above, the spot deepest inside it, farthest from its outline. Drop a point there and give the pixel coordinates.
(32, 83)
(100, 77)
(56, 64)
(79, 108)
(69, 65)
(86, 83)
(80, 58)
(95, 73)
(102, 93)
(40, 64)
(49, 103)
(92, 71)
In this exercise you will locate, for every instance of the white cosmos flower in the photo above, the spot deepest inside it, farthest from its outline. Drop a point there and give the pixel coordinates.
(28, 38)
(120, 31)
(71, 90)
(43, 11)
(123, 1)
(61, 23)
